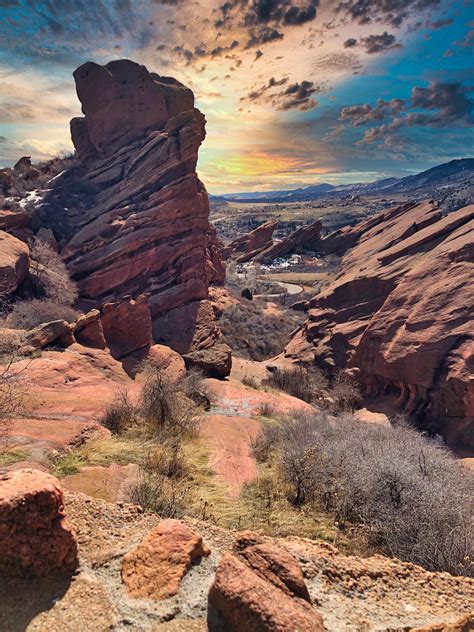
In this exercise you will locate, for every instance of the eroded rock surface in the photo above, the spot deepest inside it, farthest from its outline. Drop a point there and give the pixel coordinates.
(36, 539)
(400, 310)
(14, 262)
(132, 215)
(249, 245)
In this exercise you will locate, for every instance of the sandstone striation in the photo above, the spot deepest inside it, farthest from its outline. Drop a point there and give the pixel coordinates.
(249, 245)
(400, 311)
(36, 539)
(132, 216)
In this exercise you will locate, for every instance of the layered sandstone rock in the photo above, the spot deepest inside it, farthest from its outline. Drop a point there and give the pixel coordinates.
(401, 311)
(249, 245)
(132, 215)
(305, 238)
(36, 539)
(14, 262)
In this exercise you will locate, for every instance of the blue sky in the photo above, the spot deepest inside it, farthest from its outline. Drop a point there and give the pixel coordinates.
(294, 92)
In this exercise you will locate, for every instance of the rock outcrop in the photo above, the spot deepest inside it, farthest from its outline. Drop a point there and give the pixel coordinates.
(400, 311)
(14, 262)
(132, 216)
(155, 568)
(249, 245)
(305, 238)
(36, 539)
(262, 588)
(213, 362)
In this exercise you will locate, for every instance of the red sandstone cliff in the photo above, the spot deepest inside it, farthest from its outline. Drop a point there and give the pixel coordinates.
(401, 312)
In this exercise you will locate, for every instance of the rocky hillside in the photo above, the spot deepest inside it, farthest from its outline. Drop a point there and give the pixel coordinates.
(129, 214)
(400, 313)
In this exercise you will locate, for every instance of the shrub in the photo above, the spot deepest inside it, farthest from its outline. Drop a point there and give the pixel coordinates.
(30, 314)
(10, 342)
(164, 407)
(410, 496)
(308, 384)
(345, 394)
(158, 494)
(12, 391)
(50, 276)
(255, 335)
(266, 409)
(120, 414)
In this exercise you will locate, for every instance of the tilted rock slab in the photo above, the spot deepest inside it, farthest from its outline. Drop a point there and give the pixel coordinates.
(401, 311)
(132, 216)
(36, 540)
(155, 568)
(14, 262)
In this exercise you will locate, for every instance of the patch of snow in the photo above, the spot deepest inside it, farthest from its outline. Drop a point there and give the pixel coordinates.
(58, 176)
(33, 198)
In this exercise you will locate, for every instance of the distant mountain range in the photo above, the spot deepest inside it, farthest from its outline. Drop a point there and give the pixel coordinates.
(443, 176)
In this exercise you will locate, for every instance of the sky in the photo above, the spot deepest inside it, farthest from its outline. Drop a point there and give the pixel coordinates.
(295, 92)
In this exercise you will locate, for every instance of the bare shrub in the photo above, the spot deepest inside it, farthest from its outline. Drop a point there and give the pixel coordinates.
(10, 342)
(411, 496)
(30, 314)
(159, 494)
(255, 335)
(194, 387)
(345, 393)
(12, 391)
(251, 381)
(164, 407)
(167, 459)
(50, 276)
(308, 384)
(120, 414)
(266, 409)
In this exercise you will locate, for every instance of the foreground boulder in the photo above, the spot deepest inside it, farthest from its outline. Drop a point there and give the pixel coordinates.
(36, 539)
(155, 568)
(14, 262)
(127, 325)
(214, 362)
(401, 312)
(56, 331)
(261, 589)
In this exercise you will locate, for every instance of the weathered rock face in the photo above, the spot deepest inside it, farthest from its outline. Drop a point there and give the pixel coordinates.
(132, 217)
(155, 568)
(36, 538)
(401, 311)
(213, 362)
(262, 589)
(14, 262)
(306, 238)
(248, 246)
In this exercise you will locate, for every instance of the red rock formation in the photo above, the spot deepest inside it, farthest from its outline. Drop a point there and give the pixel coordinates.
(14, 262)
(401, 311)
(305, 238)
(138, 219)
(36, 539)
(155, 568)
(249, 245)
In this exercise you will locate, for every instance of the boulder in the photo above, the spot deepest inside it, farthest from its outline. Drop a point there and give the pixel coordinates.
(14, 262)
(167, 361)
(88, 330)
(36, 538)
(47, 236)
(245, 601)
(126, 325)
(24, 168)
(214, 362)
(13, 220)
(59, 331)
(155, 568)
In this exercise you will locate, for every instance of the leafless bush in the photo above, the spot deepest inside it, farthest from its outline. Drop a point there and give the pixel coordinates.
(50, 276)
(266, 409)
(167, 459)
(250, 380)
(255, 335)
(159, 494)
(12, 391)
(10, 342)
(345, 393)
(308, 384)
(194, 387)
(120, 414)
(164, 407)
(411, 497)
(30, 314)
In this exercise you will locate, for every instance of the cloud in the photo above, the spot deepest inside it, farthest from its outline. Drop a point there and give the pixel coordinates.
(298, 95)
(257, 12)
(393, 12)
(379, 43)
(350, 43)
(438, 105)
(439, 24)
